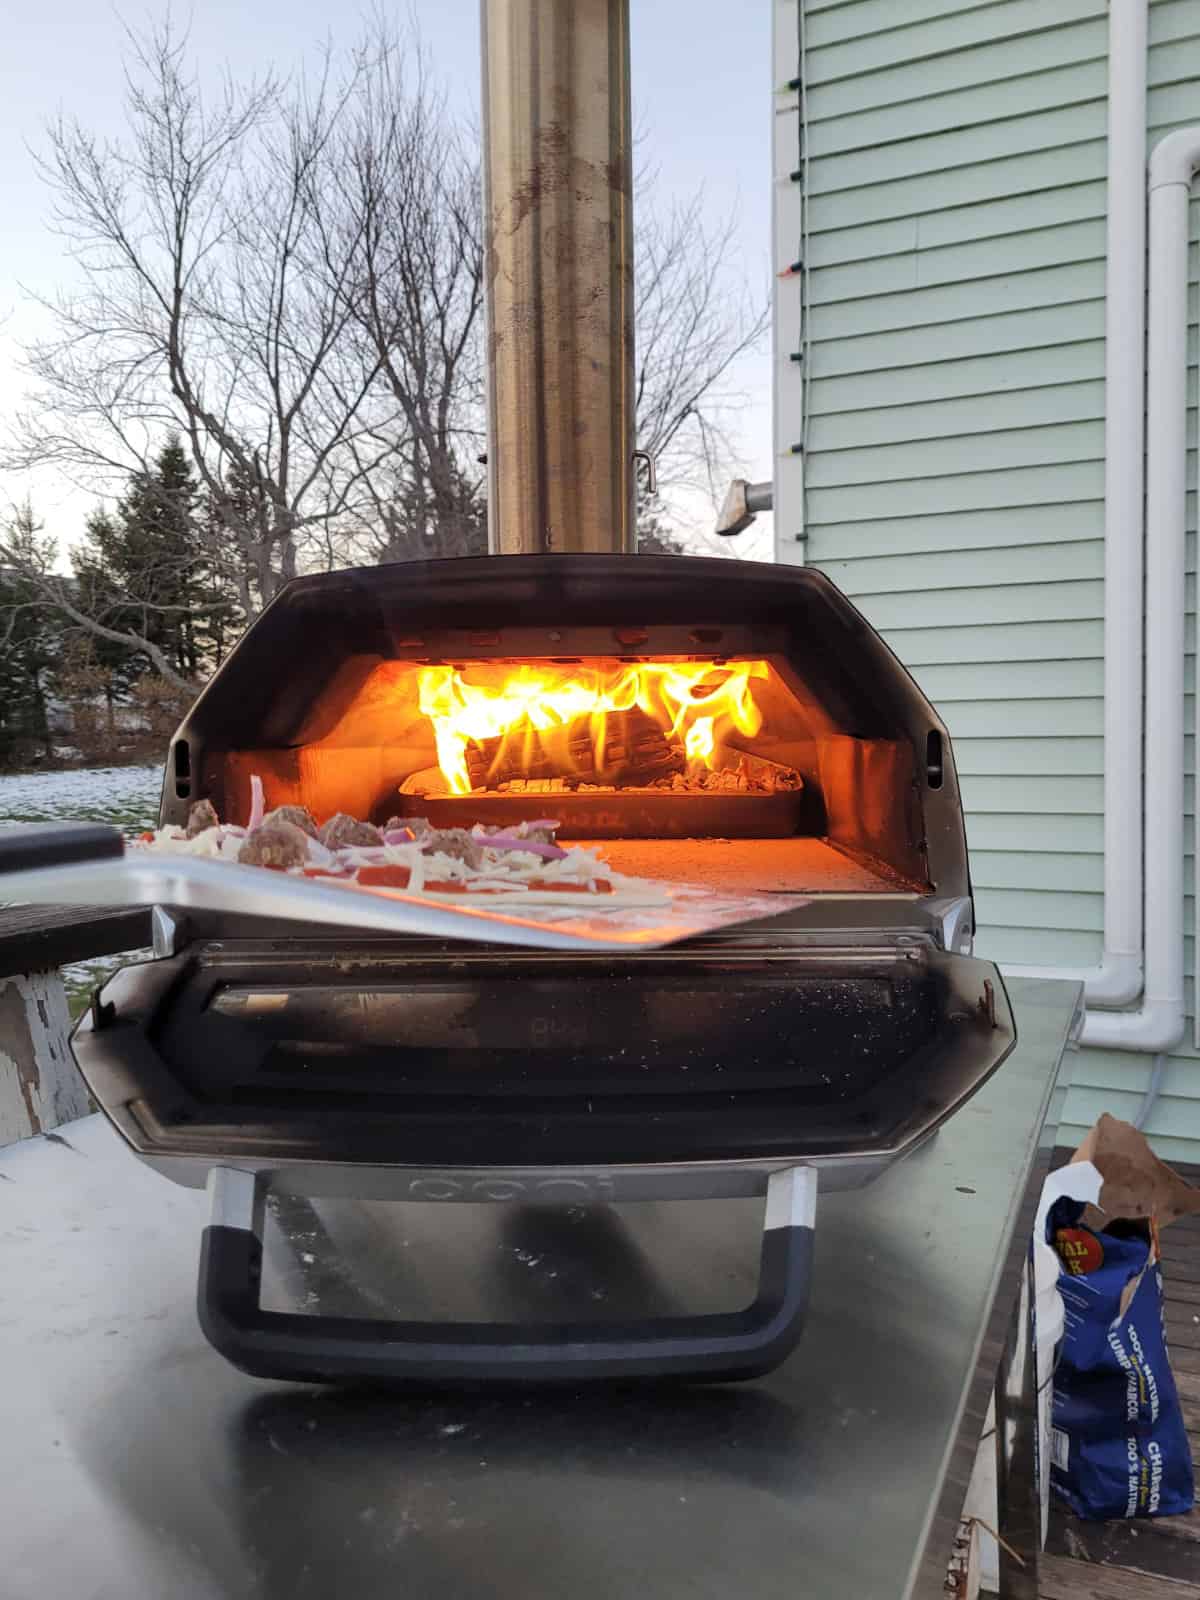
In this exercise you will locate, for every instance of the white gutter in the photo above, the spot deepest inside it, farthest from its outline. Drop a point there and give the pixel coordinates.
(1158, 1024)
(1117, 980)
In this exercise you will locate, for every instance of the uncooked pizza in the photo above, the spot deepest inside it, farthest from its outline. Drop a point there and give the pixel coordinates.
(522, 864)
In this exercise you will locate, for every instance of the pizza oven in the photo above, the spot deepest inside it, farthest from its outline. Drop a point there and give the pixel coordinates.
(733, 725)
(725, 723)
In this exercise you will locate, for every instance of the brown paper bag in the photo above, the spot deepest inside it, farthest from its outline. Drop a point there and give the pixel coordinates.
(1137, 1187)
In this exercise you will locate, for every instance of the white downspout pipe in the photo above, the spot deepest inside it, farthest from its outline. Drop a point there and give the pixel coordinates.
(1117, 980)
(1158, 1024)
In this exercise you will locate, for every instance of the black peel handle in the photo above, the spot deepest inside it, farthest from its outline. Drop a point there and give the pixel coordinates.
(32, 846)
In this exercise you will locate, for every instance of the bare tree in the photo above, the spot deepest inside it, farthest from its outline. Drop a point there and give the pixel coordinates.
(290, 276)
(414, 211)
(213, 302)
(693, 326)
(413, 217)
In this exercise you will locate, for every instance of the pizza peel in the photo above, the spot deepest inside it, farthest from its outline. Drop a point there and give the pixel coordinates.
(91, 864)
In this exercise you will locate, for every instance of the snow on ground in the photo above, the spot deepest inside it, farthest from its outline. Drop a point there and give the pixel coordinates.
(125, 796)
(82, 978)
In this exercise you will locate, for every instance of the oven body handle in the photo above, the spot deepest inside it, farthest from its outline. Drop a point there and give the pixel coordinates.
(314, 1349)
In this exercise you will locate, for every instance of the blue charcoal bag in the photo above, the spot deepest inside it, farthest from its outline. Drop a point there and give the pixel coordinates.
(1118, 1448)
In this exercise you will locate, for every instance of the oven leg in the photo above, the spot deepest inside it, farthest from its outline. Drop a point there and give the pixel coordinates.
(1018, 1503)
(237, 1199)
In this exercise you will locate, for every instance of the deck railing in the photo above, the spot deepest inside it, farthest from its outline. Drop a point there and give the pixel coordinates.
(39, 1084)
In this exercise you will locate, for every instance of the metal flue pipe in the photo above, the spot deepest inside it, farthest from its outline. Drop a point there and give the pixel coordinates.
(558, 215)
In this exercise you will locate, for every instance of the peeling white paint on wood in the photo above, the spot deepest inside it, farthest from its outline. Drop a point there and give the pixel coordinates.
(39, 1084)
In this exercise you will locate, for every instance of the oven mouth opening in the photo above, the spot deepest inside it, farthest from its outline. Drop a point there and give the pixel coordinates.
(610, 746)
(634, 700)
(616, 749)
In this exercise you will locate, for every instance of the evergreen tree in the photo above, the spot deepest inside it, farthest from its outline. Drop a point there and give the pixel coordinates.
(154, 557)
(100, 593)
(237, 521)
(148, 569)
(29, 645)
(432, 515)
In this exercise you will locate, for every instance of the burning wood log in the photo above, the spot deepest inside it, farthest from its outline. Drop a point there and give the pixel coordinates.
(625, 749)
(636, 750)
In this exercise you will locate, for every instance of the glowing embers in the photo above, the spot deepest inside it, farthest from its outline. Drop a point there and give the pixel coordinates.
(577, 726)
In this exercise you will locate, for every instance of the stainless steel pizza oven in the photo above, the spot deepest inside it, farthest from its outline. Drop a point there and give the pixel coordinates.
(839, 1031)
(719, 722)
(830, 1039)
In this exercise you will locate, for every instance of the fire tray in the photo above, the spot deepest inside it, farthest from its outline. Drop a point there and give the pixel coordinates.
(621, 813)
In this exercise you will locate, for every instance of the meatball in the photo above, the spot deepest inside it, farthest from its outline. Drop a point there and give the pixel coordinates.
(278, 843)
(201, 817)
(298, 816)
(457, 843)
(342, 830)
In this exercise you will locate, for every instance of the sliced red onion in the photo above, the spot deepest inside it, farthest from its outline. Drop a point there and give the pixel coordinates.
(509, 841)
(256, 803)
(398, 836)
(550, 824)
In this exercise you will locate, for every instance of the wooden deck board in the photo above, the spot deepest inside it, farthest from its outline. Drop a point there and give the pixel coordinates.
(1143, 1560)
(41, 938)
(1064, 1579)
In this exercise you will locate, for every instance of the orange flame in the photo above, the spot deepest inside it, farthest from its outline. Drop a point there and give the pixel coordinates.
(697, 704)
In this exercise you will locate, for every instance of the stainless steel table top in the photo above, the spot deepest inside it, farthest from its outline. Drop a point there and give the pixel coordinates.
(135, 1462)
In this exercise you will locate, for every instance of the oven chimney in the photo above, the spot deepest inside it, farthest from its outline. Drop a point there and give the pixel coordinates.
(558, 217)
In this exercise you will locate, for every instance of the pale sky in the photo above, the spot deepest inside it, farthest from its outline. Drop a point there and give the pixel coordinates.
(702, 100)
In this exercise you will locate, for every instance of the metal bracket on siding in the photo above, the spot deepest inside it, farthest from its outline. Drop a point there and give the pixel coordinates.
(958, 924)
(164, 932)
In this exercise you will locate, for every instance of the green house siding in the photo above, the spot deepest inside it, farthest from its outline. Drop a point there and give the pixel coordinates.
(950, 212)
